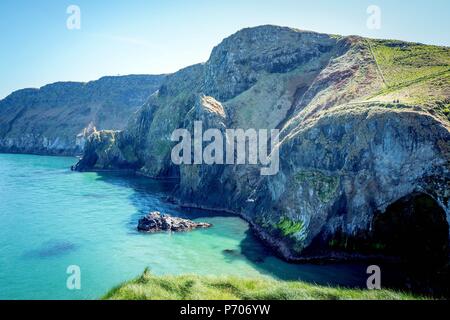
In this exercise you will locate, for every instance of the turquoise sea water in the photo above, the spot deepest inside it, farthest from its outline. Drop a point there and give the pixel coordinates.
(51, 218)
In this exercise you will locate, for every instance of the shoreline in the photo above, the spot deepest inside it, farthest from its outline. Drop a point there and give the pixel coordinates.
(278, 248)
(274, 247)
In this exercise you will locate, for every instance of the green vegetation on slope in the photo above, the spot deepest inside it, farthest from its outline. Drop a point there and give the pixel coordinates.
(193, 287)
(403, 62)
(413, 73)
(289, 227)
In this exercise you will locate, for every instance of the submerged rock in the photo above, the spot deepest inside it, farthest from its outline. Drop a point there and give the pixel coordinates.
(51, 249)
(155, 221)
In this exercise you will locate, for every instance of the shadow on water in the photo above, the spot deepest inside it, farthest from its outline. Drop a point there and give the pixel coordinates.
(250, 249)
(265, 261)
(52, 248)
(150, 195)
(419, 278)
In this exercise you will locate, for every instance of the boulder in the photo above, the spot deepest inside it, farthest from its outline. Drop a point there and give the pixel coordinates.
(155, 222)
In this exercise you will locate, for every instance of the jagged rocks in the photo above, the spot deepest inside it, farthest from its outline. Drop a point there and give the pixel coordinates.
(346, 152)
(84, 135)
(155, 222)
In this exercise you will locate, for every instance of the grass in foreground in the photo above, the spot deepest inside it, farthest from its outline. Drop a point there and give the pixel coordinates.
(193, 287)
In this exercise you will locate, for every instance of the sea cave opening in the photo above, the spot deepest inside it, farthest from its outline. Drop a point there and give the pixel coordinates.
(415, 229)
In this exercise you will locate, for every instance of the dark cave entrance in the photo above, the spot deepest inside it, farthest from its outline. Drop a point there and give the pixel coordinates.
(410, 243)
(415, 229)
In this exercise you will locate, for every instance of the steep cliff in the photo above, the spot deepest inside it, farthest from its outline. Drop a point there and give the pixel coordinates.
(363, 124)
(57, 118)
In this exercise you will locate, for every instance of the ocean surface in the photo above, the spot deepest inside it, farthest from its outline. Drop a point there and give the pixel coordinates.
(52, 218)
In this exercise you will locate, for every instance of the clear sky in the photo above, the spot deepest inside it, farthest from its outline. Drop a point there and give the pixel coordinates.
(150, 36)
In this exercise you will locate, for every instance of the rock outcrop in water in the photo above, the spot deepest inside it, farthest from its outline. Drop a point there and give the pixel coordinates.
(57, 118)
(363, 124)
(155, 221)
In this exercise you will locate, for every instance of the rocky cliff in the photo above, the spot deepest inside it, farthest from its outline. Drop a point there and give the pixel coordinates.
(363, 124)
(57, 118)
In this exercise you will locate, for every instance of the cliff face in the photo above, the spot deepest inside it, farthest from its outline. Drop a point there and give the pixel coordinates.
(363, 123)
(57, 118)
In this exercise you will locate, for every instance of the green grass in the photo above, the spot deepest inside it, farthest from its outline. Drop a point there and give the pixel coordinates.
(403, 63)
(194, 287)
(413, 73)
(446, 111)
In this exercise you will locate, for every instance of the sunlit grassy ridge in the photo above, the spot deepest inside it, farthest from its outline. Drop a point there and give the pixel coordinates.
(194, 287)
(413, 73)
(403, 62)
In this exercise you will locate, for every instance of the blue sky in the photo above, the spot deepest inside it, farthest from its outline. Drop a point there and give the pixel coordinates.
(149, 36)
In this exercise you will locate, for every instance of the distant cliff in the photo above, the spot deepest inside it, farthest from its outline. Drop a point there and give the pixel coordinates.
(364, 129)
(48, 120)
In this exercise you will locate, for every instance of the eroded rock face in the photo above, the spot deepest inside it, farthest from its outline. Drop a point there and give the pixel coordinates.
(57, 118)
(155, 222)
(346, 154)
(338, 171)
(240, 60)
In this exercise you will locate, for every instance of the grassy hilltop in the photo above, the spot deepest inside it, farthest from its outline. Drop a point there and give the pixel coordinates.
(414, 74)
